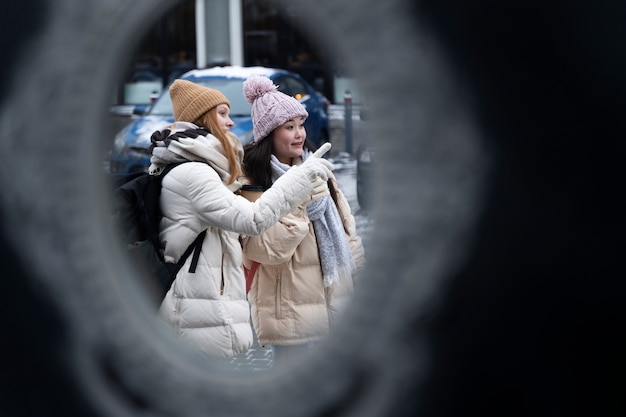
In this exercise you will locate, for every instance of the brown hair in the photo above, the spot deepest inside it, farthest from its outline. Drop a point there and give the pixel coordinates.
(209, 121)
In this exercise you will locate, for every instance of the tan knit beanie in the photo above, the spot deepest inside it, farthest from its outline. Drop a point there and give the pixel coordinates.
(190, 100)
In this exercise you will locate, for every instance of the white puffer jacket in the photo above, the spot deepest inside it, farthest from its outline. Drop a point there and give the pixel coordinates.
(209, 307)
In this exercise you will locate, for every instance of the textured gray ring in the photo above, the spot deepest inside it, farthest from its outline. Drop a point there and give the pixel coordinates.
(428, 188)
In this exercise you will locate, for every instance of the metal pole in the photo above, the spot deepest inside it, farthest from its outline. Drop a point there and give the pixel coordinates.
(200, 34)
(236, 32)
(347, 101)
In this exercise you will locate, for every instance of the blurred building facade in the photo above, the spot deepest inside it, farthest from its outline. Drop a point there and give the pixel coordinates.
(205, 33)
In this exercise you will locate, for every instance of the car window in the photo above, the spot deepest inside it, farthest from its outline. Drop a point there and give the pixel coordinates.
(291, 87)
(281, 82)
(231, 87)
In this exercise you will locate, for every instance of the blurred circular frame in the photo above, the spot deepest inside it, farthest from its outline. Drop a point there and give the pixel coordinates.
(427, 186)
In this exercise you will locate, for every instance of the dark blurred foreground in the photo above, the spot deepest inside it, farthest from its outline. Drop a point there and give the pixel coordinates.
(533, 323)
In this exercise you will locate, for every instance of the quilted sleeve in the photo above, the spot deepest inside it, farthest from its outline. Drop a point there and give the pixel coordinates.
(278, 244)
(194, 191)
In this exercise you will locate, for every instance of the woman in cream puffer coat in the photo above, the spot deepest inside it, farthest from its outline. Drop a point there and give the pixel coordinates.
(307, 261)
(208, 307)
(290, 304)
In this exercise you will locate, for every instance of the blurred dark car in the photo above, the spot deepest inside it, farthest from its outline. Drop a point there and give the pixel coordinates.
(131, 147)
(365, 157)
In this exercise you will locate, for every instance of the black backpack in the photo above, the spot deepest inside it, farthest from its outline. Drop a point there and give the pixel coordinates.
(137, 213)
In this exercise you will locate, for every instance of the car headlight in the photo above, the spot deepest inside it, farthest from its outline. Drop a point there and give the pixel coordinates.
(119, 144)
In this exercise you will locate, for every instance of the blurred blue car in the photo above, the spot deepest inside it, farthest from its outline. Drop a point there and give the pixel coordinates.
(131, 147)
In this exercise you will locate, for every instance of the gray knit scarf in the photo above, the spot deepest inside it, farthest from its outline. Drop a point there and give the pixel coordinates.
(332, 242)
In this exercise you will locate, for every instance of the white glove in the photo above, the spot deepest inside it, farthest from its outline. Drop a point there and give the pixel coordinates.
(316, 166)
(320, 189)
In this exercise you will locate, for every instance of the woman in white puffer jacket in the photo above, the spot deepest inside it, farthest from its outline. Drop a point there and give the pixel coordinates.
(208, 307)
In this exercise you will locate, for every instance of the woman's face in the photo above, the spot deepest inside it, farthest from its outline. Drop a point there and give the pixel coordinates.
(288, 140)
(223, 117)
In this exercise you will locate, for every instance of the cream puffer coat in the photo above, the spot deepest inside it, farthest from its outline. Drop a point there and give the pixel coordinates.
(289, 303)
(209, 307)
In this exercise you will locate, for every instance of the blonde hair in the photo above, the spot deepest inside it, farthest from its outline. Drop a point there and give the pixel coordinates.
(209, 121)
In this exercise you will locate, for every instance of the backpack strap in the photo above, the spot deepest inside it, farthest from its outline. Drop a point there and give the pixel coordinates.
(197, 247)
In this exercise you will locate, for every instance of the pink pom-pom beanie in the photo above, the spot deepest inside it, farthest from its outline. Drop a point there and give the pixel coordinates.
(270, 107)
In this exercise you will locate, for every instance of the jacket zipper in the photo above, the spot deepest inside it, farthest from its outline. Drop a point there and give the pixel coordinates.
(222, 280)
(177, 301)
(278, 288)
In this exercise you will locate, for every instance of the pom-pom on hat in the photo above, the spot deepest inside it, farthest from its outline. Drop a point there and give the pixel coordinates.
(190, 101)
(270, 107)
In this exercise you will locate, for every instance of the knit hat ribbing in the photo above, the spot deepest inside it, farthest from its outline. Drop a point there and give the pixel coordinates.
(190, 101)
(270, 107)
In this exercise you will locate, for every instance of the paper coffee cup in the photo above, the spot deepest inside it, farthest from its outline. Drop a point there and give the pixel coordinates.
(251, 192)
